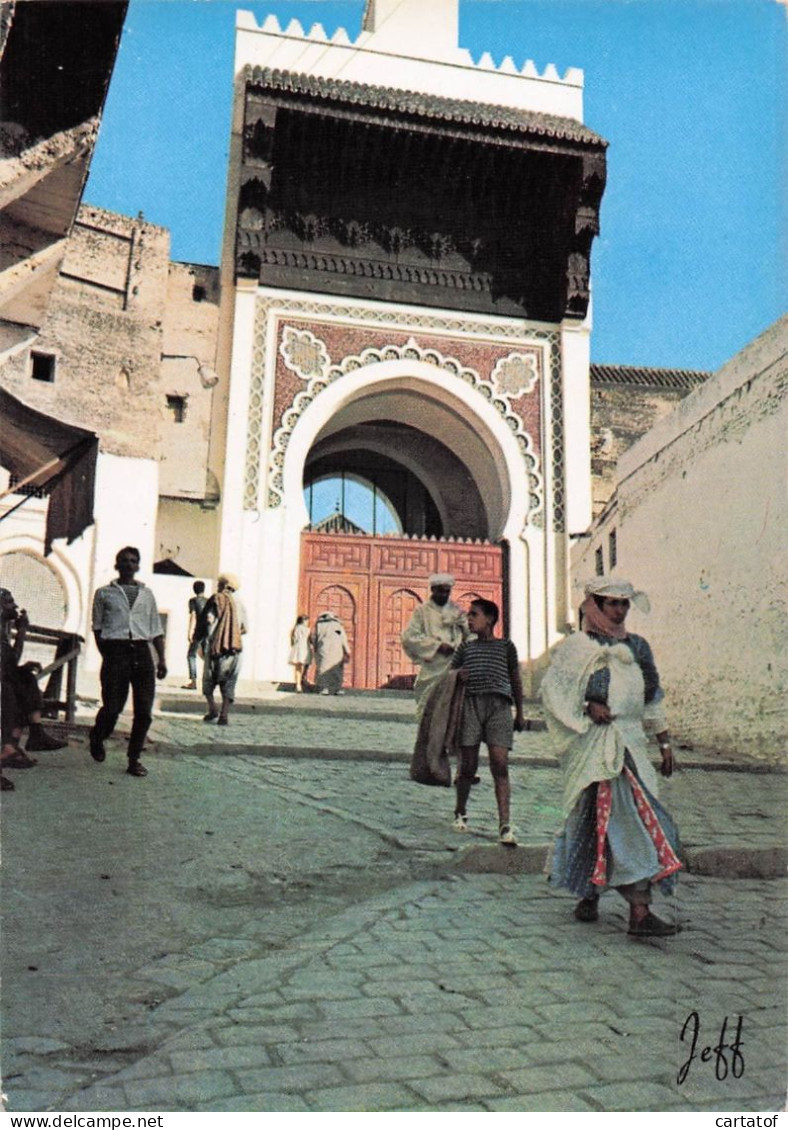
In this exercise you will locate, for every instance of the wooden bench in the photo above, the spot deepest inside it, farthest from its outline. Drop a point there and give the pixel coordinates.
(68, 646)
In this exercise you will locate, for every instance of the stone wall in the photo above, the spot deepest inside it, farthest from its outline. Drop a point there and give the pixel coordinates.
(700, 516)
(104, 330)
(128, 331)
(626, 402)
(191, 321)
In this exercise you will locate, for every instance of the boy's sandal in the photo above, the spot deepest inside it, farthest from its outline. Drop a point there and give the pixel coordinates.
(587, 910)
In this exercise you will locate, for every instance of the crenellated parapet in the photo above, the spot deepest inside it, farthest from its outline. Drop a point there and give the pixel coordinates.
(412, 47)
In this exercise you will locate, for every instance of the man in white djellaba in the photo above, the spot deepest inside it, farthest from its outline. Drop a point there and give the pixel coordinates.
(436, 630)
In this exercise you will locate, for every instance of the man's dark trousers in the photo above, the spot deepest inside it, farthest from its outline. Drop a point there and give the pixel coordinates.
(126, 663)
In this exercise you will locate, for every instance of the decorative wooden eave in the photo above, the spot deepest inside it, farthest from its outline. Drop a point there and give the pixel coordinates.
(404, 108)
(498, 218)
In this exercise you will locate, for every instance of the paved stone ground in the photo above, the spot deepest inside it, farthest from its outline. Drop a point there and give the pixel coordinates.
(250, 932)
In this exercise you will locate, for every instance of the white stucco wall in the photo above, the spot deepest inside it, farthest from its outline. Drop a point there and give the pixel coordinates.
(127, 497)
(700, 516)
(172, 599)
(126, 501)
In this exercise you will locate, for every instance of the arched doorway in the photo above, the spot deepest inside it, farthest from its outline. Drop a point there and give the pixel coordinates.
(445, 476)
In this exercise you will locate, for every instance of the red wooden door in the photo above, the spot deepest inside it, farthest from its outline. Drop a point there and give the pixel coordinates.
(373, 584)
(395, 608)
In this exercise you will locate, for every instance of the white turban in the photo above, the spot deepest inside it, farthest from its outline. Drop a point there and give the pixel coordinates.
(441, 579)
(610, 586)
(229, 580)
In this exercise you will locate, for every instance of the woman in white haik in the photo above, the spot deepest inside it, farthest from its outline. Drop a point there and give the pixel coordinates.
(300, 651)
(600, 694)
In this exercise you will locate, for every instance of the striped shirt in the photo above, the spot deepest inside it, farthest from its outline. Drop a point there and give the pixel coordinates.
(491, 665)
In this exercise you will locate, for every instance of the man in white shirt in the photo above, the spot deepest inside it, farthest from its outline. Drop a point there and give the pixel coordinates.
(125, 624)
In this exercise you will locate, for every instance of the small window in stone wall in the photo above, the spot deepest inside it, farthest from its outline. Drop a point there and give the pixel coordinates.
(177, 405)
(599, 561)
(199, 293)
(612, 549)
(42, 366)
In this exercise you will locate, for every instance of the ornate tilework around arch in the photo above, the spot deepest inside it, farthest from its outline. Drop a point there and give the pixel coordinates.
(394, 318)
(411, 351)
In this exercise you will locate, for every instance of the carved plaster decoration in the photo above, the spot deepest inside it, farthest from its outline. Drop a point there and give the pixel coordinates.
(516, 374)
(411, 350)
(303, 353)
(382, 317)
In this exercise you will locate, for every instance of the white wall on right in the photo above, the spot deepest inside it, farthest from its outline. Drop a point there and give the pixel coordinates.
(701, 510)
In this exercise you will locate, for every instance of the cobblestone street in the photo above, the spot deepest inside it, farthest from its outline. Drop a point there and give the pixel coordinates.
(247, 931)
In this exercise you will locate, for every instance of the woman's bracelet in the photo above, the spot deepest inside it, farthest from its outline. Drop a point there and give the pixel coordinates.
(664, 746)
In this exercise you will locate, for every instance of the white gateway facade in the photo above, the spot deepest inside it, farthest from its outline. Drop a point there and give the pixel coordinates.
(405, 297)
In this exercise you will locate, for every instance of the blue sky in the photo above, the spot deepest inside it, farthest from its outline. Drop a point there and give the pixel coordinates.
(691, 95)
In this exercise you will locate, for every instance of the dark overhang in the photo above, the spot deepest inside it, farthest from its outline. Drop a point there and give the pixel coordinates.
(57, 61)
(378, 193)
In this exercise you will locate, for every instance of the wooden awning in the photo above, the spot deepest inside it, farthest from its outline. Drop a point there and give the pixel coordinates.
(48, 455)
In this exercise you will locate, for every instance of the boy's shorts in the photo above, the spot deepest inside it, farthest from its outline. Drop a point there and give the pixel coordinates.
(487, 718)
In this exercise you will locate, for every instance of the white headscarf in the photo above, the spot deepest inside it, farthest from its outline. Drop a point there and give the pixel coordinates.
(611, 586)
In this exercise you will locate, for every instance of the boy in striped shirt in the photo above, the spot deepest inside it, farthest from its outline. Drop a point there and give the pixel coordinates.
(489, 668)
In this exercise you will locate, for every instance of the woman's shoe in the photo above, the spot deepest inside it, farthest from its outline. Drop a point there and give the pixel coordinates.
(587, 910)
(652, 927)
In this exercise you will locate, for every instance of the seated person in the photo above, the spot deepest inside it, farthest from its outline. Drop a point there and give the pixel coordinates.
(21, 696)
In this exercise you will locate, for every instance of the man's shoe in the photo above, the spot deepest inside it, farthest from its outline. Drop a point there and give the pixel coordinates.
(5, 784)
(97, 751)
(223, 721)
(653, 927)
(506, 836)
(211, 716)
(460, 822)
(135, 769)
(42, 742)
(325, 690)
(189, 687)
(19, 760)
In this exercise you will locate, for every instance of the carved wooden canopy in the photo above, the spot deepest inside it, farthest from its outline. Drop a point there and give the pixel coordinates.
(384, 194)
